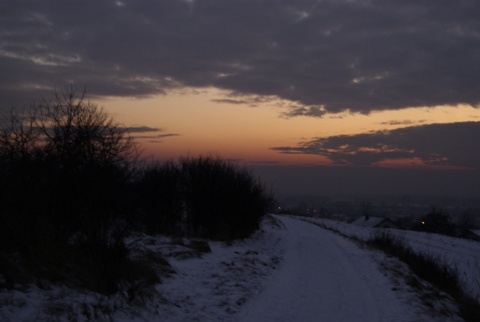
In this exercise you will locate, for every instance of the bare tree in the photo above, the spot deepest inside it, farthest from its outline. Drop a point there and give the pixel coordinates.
(70, 159)
(80, 133)
(65, 167)
(19, 136)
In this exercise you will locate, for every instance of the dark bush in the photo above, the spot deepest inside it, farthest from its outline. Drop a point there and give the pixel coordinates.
(160, 200)
(103, 267)
(202, 197)
(222, 201)
(64, 169)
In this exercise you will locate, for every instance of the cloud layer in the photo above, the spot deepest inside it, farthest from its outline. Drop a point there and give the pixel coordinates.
(328, 55)
(149, 134)
(452, 145)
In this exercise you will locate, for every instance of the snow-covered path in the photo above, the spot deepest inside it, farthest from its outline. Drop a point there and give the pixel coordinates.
(325, 277)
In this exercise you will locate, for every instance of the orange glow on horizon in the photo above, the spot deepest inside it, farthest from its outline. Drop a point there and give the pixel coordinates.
(202, 123)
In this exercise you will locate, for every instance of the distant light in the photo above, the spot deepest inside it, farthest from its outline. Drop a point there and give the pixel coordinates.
(423, 223)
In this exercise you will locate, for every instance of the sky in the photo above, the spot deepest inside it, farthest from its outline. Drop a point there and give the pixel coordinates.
(344, 96)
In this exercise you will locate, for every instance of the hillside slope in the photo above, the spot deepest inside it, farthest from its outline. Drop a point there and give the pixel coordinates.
(289, 270)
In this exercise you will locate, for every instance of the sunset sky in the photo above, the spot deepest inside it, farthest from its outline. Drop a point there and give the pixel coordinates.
(318, 97)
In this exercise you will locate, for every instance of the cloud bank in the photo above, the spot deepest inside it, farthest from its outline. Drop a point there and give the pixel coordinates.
(150, 134)
(451, 146)
(326, 55)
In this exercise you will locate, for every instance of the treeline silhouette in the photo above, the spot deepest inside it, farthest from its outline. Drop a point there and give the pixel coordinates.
(202, 197)
(71, 188)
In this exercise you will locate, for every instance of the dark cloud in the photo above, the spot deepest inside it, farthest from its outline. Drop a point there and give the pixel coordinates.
(148, 133)
(158, 136)
(142, 129)
(328, 55)
(402, 122)
(452, 145)
(229, 101)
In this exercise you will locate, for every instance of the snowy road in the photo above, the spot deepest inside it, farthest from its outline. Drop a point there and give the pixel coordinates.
(325, 277)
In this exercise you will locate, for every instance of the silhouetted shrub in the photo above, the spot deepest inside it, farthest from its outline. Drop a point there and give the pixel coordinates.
(63, 165)
(104, 267)
(222, 201)
(64, 169)
(159, 199)
(202, 197)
